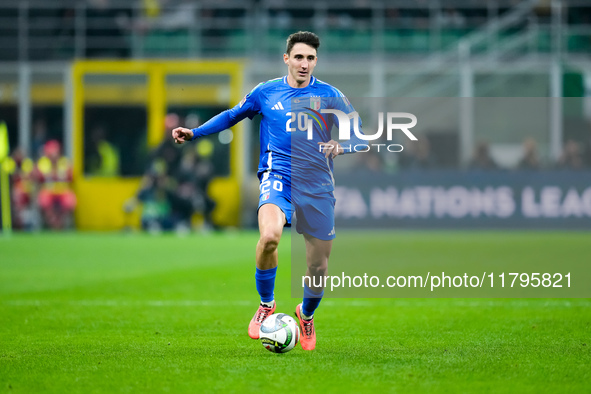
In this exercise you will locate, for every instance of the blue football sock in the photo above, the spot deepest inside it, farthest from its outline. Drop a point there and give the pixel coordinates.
(265, 280)
(311, 301)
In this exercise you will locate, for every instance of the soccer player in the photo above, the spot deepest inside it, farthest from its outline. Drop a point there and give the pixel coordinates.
(295, 172)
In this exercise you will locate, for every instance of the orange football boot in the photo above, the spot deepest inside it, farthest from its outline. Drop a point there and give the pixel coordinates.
(307, 331)
(255, 324)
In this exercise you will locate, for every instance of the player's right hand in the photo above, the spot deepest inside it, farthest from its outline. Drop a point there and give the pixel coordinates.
(182, 135)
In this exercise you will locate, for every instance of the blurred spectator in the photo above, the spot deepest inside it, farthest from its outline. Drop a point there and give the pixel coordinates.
(101, 157)
(530, 159)
(56, 198)
(156, 209)
(168, 151)
(24, 191)
(418, 156)
(193, 176)
(175, 185)
(39, 137)
(571, 157)
(156, 190)
(482, 159)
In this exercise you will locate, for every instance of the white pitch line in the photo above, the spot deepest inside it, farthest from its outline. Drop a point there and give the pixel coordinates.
(118, 303)
(557, 303)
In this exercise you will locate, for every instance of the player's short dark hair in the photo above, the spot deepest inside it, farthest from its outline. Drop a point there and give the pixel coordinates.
(304, 37)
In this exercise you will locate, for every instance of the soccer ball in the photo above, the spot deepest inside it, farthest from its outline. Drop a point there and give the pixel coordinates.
(279, 333)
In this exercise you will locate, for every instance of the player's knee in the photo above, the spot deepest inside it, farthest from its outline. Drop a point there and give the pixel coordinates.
(269, 242)
(318, 266)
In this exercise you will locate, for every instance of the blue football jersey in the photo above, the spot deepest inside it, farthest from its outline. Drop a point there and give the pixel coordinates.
(289, 148)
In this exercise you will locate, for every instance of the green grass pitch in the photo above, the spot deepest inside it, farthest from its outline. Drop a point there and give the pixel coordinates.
(136, 313)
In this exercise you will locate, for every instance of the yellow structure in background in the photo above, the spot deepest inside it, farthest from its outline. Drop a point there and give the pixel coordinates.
(101, 199)
(4, 183)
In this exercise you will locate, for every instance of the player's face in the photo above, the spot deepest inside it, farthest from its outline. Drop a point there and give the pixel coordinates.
(300, 63)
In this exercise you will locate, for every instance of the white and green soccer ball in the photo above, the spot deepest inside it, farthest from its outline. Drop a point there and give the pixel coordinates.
(279, 333)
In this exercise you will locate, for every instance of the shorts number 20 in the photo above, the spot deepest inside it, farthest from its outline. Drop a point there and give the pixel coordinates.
(277, 185)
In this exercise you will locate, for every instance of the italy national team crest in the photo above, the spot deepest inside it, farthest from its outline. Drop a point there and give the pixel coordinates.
(315, 103)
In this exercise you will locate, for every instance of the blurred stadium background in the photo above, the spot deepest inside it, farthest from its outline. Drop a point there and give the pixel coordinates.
(109, 79)
(89, 90)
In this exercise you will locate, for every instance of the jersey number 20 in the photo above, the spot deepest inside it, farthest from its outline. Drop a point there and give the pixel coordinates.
(302, 121)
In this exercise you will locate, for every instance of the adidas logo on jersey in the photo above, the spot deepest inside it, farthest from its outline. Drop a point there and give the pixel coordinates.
(332, 232)
(278, 106)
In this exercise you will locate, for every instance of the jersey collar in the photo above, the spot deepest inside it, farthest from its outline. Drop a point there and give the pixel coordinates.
(312, 80)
